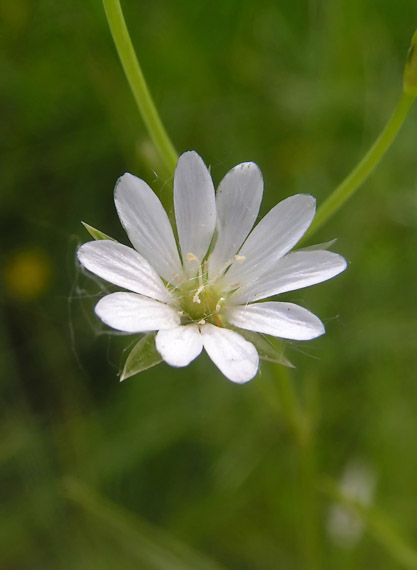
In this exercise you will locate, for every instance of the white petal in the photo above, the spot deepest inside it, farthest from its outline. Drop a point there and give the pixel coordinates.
(195, 207)
(237, 201)
(231, 353)
(123, 266)
(284, 320)
(294, 271)
(180, 345)
(272, 238)
(147, 225)
(133, 313)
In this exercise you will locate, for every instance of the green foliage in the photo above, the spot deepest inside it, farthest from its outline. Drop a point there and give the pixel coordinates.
(181, 468)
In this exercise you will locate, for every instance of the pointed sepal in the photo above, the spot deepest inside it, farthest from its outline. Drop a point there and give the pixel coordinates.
(142, 357)
(96, 234)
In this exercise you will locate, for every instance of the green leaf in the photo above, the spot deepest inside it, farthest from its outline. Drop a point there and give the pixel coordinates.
(142, 356)
(150, 547)
(96, 234)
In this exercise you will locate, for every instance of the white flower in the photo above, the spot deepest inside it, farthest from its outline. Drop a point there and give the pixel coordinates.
(197, 294)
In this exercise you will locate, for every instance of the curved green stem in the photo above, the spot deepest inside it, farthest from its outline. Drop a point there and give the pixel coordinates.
(366, 166)
(138, 84)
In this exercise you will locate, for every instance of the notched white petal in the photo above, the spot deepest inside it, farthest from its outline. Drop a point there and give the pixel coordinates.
(238, 199)
(272, 238)
(123, 266)
(235, 357)
(132, 313)
(294, 271)
(179, 346)
(195, 207)
(283, 320)
(147, 225)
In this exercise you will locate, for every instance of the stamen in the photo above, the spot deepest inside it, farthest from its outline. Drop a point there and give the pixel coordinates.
(192, 257)
(225, 267)
(196, 298)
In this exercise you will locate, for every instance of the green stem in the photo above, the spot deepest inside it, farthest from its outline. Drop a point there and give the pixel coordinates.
(310, 524)
(366, 166)
(300, 424)
(285, 396)
(138, 84)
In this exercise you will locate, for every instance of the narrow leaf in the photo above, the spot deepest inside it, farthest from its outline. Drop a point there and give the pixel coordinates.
(151, 547)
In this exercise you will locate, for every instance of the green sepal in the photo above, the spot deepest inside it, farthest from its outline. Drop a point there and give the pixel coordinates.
(269, 348)
(96, 234)
(142, 356)
(318, 246)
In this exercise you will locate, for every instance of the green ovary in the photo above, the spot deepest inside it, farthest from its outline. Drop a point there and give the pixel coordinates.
(199, 304)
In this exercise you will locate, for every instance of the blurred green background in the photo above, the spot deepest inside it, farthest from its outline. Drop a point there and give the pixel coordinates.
(181, 469)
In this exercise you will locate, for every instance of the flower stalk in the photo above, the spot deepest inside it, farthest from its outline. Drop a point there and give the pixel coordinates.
(300, 420)
(138, 84)
(410, 71)
(299, 416)
(370, 161)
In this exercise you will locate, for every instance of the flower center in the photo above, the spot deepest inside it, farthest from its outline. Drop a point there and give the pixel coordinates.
(199, 299)
(200, 303)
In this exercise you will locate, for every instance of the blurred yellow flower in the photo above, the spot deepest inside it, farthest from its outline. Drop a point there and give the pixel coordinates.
(27, 274)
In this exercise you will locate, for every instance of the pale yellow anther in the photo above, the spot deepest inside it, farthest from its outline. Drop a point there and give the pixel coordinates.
(202, 322)
(240, 258)
(192, 257)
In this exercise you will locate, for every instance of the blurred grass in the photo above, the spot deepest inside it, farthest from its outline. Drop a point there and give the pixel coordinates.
(302, 88)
